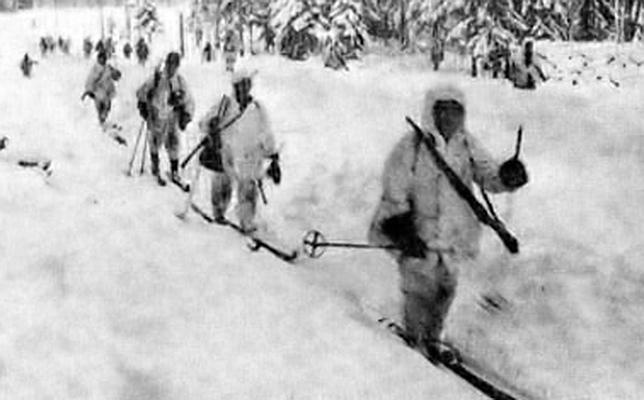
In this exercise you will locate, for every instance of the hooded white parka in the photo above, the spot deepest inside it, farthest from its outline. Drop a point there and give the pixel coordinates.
(412, 182)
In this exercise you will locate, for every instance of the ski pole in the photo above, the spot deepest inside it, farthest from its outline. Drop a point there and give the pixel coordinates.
(145, 149)
(136, 146)
(315, 245)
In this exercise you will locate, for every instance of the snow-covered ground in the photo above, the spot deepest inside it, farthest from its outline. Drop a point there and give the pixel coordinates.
(105, 294)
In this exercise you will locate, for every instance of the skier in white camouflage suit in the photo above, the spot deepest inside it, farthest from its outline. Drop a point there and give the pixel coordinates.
(424, 217)
(166, 104)
(100, 86)
(241, 143)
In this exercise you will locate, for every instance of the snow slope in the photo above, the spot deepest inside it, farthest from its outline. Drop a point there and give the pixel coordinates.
(106, 295)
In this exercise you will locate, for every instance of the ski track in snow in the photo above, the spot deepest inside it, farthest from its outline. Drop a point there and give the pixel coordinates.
(105, 294)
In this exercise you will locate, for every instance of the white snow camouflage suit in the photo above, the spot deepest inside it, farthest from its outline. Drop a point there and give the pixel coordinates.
(413, 183)
(163, 120)
(246, 145)
(100, 83)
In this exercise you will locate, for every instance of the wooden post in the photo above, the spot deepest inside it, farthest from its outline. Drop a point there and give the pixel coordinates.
(102, 20)
(181, 37)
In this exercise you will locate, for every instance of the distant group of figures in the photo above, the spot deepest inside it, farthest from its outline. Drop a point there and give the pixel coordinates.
(48, 44)
(231, 48)
(522, 67)
(108, 46)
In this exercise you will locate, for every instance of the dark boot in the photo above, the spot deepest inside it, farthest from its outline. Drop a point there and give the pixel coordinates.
(174, 170)
(176, 178)
(154, 160)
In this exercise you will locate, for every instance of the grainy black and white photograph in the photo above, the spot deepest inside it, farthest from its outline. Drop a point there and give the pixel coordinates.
(321, 199)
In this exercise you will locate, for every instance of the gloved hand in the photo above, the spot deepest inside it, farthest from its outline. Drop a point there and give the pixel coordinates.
(176, 98)
(413, 247)
(513, 174)
(274, 171)
(143, 109)
(402, 232)
(184, 118)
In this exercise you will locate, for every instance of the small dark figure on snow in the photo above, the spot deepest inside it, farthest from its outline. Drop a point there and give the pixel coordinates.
(110, 46)
(437, 50)
(198, 36)
(66, 47)
(26, 65)
(127, 50)
(142, 51)
(422, 215)
(165, 103)
(87, 47)
(100, 47)
(43, 46)
(47, 45)
(525, 71)
(207, 52)
(231, 47)
(101, 87)
(51, 43)
(269, 39)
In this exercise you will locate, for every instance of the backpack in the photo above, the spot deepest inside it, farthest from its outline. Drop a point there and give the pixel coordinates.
(210, 156)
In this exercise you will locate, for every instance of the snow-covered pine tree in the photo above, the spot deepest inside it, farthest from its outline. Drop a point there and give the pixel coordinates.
(547, 19)
(147, 19)
(348, 30)
(380, 18)
(594, 20)
(480, 25)
(299, 25)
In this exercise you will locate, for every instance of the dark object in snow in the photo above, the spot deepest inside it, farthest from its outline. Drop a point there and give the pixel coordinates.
(3, 142)
(127, 50)
(448, 357)
(44, 165)
(26, 65)
(494, 303)
(255, 243)
(208, 51)
(142, 51)
(574, 82)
